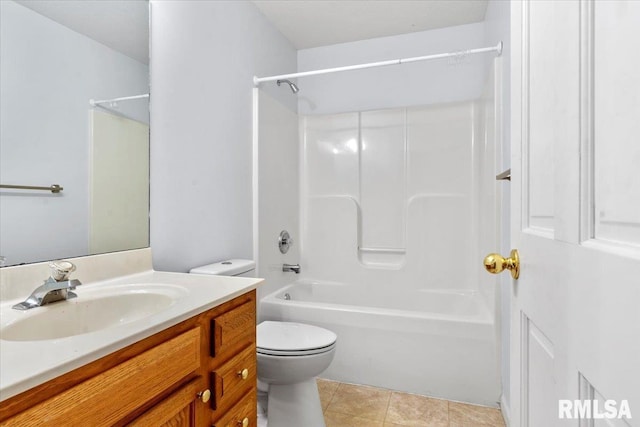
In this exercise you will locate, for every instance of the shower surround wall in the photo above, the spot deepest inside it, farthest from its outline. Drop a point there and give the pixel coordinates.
(395, 204)
(406, 178)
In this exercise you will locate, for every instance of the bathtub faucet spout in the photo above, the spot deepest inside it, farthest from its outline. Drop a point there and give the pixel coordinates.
(291, 267)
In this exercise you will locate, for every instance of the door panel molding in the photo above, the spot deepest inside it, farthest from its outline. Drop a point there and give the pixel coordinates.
(587, 65)
(524, 370)
(609, 122)
(538, 383)
(524, 117)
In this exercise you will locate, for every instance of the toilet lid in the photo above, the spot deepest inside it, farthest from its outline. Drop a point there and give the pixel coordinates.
(290, 336)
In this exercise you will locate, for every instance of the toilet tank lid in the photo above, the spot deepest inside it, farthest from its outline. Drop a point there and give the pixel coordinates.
(230, 267)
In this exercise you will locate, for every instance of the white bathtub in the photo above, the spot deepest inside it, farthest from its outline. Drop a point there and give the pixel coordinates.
(434, 343)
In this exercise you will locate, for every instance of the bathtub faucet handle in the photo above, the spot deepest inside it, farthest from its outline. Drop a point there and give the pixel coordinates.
(291, 267)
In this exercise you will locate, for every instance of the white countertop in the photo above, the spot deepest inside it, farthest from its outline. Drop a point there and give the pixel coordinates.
(26, 364)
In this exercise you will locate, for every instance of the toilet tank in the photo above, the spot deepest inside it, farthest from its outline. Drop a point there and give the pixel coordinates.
(230, 267)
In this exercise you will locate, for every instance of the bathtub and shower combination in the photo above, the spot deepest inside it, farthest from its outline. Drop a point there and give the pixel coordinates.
(389, 239)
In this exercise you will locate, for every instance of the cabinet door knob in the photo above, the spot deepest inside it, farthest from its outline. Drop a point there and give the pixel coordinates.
(244, 422)
(244, 374)
(205, 395)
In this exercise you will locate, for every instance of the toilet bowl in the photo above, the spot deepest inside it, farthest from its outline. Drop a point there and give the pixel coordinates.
(290, 356)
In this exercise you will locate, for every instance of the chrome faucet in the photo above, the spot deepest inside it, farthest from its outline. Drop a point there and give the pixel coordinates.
(58, 287)
(291, 267)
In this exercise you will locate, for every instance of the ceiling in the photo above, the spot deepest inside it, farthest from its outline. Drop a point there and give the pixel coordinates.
(313, 23)
(122, 25)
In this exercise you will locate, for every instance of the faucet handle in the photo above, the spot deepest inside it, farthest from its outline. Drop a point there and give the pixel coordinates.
(60, 270)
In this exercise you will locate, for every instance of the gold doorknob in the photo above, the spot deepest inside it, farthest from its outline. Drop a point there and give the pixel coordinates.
(496, 263)
(244, 423)
(205, 395)
(244, 374)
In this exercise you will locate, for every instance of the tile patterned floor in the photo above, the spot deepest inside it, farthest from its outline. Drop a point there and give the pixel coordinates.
(347, 405)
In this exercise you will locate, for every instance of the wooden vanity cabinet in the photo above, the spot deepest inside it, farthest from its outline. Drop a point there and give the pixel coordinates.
(201, 372)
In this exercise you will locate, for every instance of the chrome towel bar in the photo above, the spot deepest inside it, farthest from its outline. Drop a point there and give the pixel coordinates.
(55, 188)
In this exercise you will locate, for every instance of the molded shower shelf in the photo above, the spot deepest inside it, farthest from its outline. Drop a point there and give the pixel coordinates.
(393, 258)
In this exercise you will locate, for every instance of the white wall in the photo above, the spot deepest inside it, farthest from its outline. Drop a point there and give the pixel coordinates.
(278, 194)
(405, 85)
(497, 24)
(48, 75)
(203, 58)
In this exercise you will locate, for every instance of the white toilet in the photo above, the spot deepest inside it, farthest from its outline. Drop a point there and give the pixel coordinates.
(290, 356)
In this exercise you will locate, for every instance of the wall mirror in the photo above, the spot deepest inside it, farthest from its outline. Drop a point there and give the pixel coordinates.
(74, 112)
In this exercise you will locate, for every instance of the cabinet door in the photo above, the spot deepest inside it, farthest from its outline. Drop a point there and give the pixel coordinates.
(183, 408)
(110, 397)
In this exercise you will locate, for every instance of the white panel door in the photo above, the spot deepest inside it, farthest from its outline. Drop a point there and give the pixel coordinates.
(575, 210)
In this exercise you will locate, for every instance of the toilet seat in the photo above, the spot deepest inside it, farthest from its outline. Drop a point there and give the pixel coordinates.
(269, 352)
(293, 339)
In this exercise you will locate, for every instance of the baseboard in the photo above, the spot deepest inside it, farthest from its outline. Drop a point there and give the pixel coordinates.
(506, 411)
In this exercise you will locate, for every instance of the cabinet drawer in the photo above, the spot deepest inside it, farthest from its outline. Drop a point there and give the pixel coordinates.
(113, 394)
(231, 380)
(233, 329)
(246, 408)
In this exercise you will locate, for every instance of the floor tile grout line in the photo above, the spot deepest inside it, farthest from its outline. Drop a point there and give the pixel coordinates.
(333, 394)
(386, 411)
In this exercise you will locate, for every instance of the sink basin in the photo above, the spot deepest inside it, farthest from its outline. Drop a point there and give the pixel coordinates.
(94, 309)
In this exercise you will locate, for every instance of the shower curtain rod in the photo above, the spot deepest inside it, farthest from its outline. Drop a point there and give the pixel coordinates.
(94, 103)
(462, 53)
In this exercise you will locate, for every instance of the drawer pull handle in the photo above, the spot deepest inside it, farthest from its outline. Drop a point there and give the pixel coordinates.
(244, 374)
(205, 395)
(244, 423)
